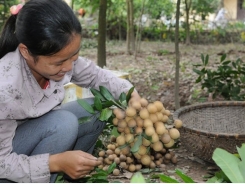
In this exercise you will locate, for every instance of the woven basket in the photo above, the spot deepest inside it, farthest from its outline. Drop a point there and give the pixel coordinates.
(212, 125)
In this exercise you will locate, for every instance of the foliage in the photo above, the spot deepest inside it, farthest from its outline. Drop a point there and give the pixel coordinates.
(232, 166)
(103, 103)
(226, 80)
(4, 10)
(98, 176)
(167, 179)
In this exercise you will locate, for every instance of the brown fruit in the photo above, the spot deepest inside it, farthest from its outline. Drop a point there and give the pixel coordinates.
(145, 160)
(143, 102)
(154, 138)
(122, 158)
(113, 138)
(129, 138)
(121, 140)
(152, 165)
(170, 144)
(178, 123)
(125, 150)
(153, 118)
(146, 142)
(174, 159)
(138, 130)
(164, 118)
(165, 138)
(157, 146)
(158, 105)
(131, 168)
(117, 151)
(142, 150)
(149, 131)
(102, 153)
(174, 133)
(120, 114)
(127, 130)
(144, 113)
(151, 108)
(138, 167)
(167, 112)
(116, 172)
(115, 121)
(136, 104)
(159, 116)
(168, 156)
(117, 160)
(122, 124)
(139, 121)
(123, 165)
(147, 122)
(131, 123)
(130, 111)
(160, 128)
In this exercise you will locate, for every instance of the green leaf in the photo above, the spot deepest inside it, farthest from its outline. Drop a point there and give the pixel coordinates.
(115, 132)
(122, 97)
(128, 96)
(184, 177)
(241, 165)
(229, 165)
(222, 58)
(197, 71)
(167, 179)
(206, 60)
(86, 106)
(95, 92)
(84, 119)
(97, 103)
(111, 167)
(106, 93)
(137, 144)
(137, 178)
(105, 114)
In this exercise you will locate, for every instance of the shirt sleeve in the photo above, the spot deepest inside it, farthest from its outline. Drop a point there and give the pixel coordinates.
(87, 74)
(20, 168)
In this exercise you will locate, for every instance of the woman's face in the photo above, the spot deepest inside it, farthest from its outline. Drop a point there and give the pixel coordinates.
(54, 67)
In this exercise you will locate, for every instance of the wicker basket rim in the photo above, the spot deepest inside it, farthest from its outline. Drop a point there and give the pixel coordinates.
(188, 108)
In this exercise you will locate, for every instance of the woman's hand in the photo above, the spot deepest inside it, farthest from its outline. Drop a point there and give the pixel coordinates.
(76, 164)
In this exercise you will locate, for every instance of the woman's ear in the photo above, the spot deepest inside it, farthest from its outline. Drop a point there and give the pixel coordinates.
(24, 52)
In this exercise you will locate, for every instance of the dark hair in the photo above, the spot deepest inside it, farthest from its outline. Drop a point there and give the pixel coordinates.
(44, 26)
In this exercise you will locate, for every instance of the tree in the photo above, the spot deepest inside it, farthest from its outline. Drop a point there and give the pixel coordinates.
(101, 51)
(187, 28)
(177, 54)
(130, 27)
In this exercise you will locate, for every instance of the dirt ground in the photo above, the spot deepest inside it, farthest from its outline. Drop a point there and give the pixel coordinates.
(152, 72)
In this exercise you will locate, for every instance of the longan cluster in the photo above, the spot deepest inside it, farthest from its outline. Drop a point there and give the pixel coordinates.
(148, 120)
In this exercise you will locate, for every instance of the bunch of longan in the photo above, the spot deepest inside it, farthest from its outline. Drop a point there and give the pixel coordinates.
(145, 121)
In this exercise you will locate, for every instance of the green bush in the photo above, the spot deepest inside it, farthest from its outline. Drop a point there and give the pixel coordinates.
(227, 80)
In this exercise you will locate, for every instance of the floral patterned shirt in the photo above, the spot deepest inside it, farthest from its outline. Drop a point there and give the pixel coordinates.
(21, 98)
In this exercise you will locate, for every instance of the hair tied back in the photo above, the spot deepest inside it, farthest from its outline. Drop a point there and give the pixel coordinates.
(14, 10)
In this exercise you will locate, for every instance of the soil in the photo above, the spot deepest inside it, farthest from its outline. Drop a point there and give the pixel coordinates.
(152, 72)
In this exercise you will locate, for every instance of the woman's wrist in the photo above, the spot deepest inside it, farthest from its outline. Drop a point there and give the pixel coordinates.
(54, 163)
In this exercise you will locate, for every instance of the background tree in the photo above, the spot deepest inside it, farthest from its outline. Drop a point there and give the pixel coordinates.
(101, 51)
(130, 27)
(177, 54)
(4, 10)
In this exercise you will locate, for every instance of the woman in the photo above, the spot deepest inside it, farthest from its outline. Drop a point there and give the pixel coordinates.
(39, 53)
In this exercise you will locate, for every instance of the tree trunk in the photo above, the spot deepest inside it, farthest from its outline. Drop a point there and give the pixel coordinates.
(187, 9)
(176, 87)
(101, 52)
(130, 27)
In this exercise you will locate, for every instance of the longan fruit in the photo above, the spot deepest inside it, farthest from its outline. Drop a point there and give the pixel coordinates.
(130, 111)
(125, 150)
(149, 131)
(160, 128)
(168, 156)
(152, 165)
(170, 144)
(151, 108)
(174, 159)
(147, 122)
(139, 121)
(153, 118)
(136, 104)
(145, 142)
(165, 138)
(116, 172)
(138, 167)
(121, 140)
(178, 123)
(102, 153)
(154, 138)
(138, 130)
(145, 160)
(164, 118)
(120, 114)
(167, 112)
(117, 151)
(123, 165)
(129, 138)
(159, 105)
(174, 133)
(143, 102)
(117, 160)
(142, 150)
(131, 123)
(122, 124)
(131, 168)
(144, 113)
(157, 146)
(127, 130)
(115, 121)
